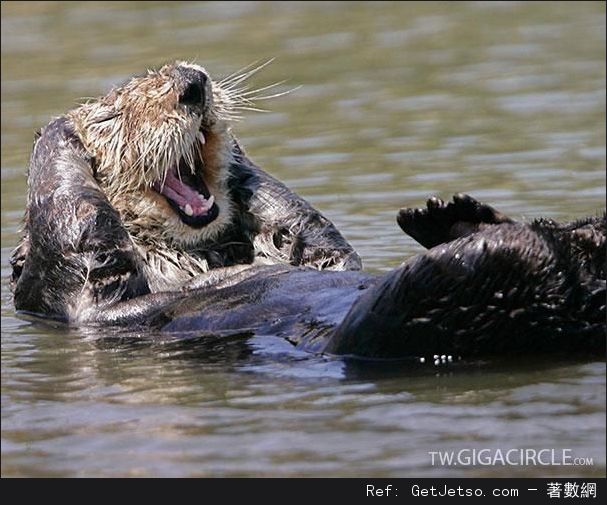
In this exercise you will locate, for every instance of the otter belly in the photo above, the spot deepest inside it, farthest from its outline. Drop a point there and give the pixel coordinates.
(302, 305)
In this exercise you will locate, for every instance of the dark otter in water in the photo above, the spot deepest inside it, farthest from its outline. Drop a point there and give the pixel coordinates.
(143, 210)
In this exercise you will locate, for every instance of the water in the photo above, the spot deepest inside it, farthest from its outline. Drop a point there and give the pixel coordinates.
(398, 101)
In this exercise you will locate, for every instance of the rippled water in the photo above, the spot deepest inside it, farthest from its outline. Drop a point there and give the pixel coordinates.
(505, 101)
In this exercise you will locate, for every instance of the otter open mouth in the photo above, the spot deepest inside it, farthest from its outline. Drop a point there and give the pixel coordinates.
(188, 194)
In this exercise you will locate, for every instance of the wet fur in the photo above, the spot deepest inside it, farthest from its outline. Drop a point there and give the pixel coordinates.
(93, 254)
(95, 232)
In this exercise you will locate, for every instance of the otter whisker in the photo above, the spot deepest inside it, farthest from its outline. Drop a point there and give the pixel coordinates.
(239, 101)
(276, 95)
(234, 95)
(239, 77)
(257, 90)
(244, 98)
(233, 84)
(254, 109)
(229, 77)
(246, 93)
(229, 117)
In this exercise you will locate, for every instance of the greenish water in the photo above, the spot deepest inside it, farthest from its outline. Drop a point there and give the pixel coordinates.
(398, 101)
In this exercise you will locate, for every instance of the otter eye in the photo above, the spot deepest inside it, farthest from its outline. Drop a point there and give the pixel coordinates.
(192, 94)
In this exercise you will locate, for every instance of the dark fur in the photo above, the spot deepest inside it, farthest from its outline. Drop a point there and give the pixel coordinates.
(287, 228)
(487, 286)
(74, 247)
(511, 289)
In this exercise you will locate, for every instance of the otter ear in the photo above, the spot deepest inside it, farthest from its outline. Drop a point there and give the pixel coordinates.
(442, 222)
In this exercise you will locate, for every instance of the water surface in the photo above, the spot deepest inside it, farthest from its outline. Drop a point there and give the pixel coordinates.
(398, 101)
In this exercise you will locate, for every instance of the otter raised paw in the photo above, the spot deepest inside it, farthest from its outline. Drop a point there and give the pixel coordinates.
(442, 222)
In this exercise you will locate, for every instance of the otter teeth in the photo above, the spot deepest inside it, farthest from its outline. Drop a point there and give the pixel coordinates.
(188, 210)
(207, 203)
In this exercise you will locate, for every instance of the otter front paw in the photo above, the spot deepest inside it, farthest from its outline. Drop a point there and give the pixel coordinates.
(442, 222)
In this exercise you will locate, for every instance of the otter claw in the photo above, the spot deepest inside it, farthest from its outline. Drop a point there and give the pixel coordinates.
(466, 200)
(434, 203)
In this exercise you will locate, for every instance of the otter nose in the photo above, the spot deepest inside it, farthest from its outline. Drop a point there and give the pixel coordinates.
(194, 86)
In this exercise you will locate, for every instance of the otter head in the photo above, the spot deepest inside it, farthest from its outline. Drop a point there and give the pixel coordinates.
(161, 152)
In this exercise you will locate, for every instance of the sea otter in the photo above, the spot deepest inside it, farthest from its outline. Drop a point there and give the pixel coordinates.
(143, 210)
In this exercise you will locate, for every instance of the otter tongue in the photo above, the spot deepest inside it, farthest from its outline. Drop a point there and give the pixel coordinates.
(188, 199)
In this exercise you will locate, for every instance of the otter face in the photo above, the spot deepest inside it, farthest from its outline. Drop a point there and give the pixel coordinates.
(183, 183)
(162, 150)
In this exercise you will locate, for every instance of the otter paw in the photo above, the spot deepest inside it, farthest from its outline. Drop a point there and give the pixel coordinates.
(429, 226)
(442, 222)
(470, 210)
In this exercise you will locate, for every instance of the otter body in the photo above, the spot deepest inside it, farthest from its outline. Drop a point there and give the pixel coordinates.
(509, 289)
(143, 210)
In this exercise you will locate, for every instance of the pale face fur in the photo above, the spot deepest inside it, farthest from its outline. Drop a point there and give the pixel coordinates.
(140, 131)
